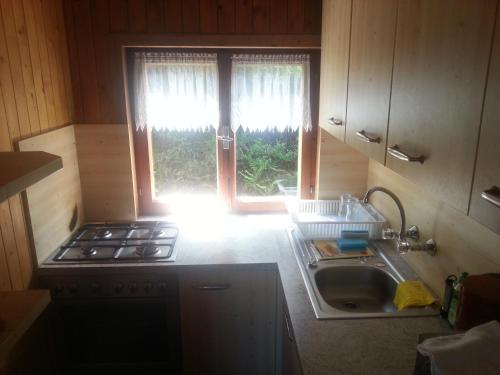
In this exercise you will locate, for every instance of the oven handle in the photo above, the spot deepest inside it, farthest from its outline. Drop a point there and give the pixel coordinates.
(212, 287)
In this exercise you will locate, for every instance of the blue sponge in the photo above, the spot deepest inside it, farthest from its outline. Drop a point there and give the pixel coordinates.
(351, 244)
(355, 234)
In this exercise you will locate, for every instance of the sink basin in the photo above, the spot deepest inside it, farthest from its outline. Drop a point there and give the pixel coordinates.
(359, 289)
(351, 288)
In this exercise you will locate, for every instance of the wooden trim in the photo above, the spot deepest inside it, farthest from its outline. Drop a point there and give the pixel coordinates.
(130, 125)
(226, 159)
(294, 41)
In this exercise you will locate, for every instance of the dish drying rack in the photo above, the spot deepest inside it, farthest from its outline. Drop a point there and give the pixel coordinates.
(319, 219)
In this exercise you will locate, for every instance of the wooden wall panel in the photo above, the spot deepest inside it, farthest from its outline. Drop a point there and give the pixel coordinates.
(208, 16)
(154, 16)
(243, 13)
(463, 244)
(35, 96)
(54, 204)
(105, 166)
(137, 19)
(173, 16)
(97, 29)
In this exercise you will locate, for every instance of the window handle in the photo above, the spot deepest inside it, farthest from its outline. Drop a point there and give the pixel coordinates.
(225, 138)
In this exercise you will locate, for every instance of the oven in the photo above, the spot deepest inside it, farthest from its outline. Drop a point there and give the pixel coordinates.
(125, 323)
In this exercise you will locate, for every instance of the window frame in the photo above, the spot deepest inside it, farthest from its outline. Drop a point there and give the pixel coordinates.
(308, 141)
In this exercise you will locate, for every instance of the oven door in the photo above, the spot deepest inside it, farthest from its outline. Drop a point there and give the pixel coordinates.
(122, 336)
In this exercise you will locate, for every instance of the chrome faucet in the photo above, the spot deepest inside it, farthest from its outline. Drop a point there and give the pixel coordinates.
(403, 244)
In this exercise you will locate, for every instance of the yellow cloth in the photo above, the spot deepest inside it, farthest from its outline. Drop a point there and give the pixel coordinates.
(412, 293)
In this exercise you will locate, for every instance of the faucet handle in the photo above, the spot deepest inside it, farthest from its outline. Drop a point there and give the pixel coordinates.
(413, 232)
(389, 234)
(404, 247)
(428, 247)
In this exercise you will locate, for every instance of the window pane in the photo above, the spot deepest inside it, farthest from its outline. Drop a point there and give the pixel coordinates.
(266, 160)
(184, 162)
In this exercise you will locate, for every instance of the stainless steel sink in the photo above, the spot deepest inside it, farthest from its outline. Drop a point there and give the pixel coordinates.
(351, 288)
(357, 289)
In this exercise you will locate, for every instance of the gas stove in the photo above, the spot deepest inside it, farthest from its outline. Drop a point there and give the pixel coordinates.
(140, 241)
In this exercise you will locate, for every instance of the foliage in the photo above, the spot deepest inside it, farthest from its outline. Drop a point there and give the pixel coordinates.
(265, 159)
(185, 161)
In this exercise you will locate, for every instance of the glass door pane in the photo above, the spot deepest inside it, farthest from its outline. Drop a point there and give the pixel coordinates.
(184, 163)
(266, 163)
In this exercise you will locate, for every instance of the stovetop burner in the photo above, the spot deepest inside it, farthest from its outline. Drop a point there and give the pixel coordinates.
(136, 241)
(148, 249)
(103, 233)
(89, 251)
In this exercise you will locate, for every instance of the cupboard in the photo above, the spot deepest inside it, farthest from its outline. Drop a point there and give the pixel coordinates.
(440, 64)
(487, 175)
(335, 41)
(287, 360)
(228, 321)
(370, 70)
(416, 77)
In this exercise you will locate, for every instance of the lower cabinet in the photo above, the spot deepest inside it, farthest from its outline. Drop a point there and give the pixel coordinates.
(228, 320)
(35, 353)
(288, 362)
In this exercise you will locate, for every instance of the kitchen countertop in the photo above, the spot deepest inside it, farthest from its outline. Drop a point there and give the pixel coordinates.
(358, 346)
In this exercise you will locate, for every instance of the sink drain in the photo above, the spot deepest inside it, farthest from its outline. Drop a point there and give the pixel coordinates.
(351, 305)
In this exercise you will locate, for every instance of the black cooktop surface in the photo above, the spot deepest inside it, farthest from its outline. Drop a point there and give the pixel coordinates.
(115, 242)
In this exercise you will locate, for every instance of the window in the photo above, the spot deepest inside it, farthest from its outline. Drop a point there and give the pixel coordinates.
(221, 124)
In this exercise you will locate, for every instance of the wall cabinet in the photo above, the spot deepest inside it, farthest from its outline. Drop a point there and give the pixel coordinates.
(228, 321)
(440, 65)
(416, 75)
(487, 176)
(370, 72)
(336, 26)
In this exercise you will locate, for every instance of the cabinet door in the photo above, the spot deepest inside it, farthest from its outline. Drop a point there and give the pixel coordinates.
(290, 356)
(440, 64)
(287, 358)
(334, 66)
(487, 176)
(370, 72)
(228, 321)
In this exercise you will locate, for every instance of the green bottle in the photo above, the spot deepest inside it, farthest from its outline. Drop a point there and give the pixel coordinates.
(452, 312)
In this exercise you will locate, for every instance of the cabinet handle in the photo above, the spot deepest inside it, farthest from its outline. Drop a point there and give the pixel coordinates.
(208, 288)
(492, 195)
(401, 155)
(362, 134)
(335, 121)
(287, 325)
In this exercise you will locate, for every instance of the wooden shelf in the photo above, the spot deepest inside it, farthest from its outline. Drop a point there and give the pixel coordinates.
(19, 170)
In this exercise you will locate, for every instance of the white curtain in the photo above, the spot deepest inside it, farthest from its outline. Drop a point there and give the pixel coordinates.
(270, 92)
(176, 91)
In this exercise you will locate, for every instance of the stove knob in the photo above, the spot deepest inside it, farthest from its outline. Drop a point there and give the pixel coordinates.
(132, 287)
(118, 288)
(95, 287)
(148, 287)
